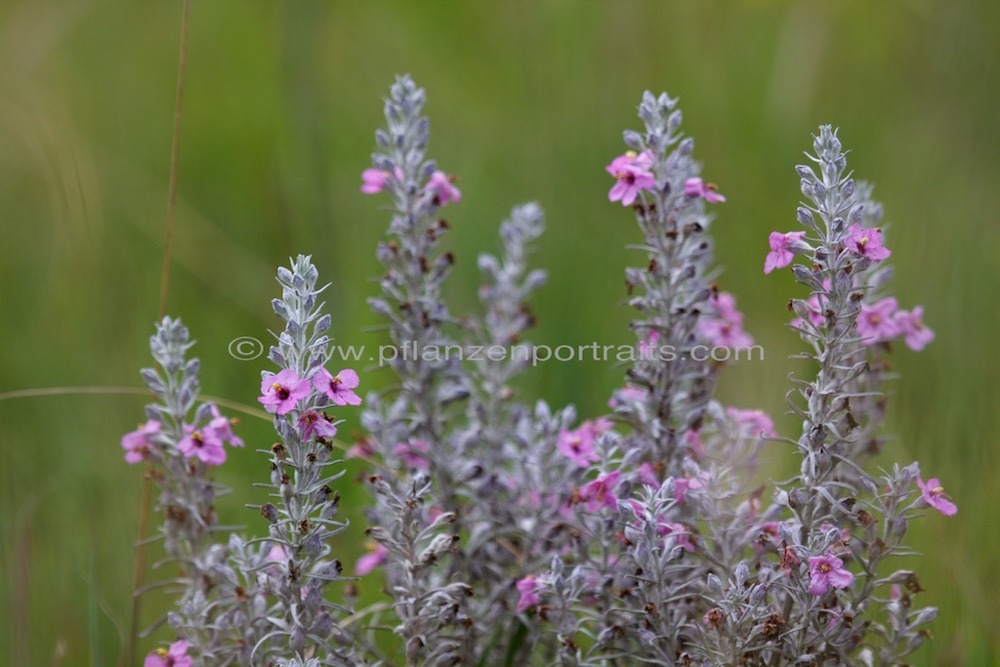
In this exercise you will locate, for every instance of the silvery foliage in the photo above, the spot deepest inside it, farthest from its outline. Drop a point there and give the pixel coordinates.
(303, 513)
(632, 586)
(492, 474)
(428, 397)
(680, 561)
(835, 505)
(671, 293)
(215, 600)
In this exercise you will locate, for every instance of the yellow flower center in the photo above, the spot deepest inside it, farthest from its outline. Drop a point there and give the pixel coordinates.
(937, 489)
(863, 241)
(824, 568)
(631, 155)
(162, 652)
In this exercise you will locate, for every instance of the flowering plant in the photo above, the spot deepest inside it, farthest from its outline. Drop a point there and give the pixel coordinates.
(507, 532)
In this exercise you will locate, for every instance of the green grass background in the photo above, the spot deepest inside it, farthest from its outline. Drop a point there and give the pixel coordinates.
(528, 99)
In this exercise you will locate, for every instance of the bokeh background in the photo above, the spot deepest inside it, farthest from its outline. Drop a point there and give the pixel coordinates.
(528, 99)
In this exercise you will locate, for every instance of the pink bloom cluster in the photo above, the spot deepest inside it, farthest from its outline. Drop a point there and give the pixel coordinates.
(725, 327)
(282, 391)
(205, 443)
(695, 187)
(883, 321)
(633, 174)
(175, 656)
(440, 185)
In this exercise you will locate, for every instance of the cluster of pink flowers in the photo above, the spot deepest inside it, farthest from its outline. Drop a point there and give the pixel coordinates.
(633, 173)
(205, 443)
(724, 327)
(878, 322)
(282, 391)
(884, 321)
(440, 185)
(865, 243)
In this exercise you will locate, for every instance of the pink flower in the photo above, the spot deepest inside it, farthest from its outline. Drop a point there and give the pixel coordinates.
(878, 322)
(755, 421)
(374, 181)
(138, 443)
(780, 255)
(599, 492)
(633, 175)
(816, 316)
(680, 533)
(916, 334)
(933, 494)
(724, 304)
(371, 560)
(223, 428)
(714, 618)
(726, 328)
(684, 484)
(412, 453)
(362, 449)
(695, 187)
(578, 445)
(866, 243)
(789, 561)
(441, 185)
(277, 554)
(175, 656)
(338, 388)
(528, 588)
(694, 444)
(842, 545)
(626, 395)
(647, 476)
(319, 423)
(724, 333)
(826, 571)
(204, 444)
(282, 392)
